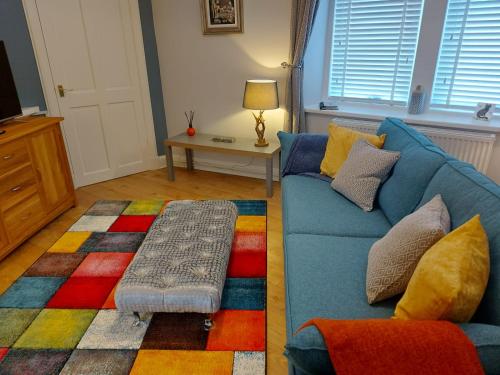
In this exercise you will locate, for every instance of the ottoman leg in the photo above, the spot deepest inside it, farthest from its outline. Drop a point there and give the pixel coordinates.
(139, 320)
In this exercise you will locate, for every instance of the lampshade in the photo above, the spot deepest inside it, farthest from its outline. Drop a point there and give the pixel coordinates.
(261, 94)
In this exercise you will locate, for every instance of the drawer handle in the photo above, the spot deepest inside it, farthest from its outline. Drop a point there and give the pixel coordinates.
(16, 189)
(7, 157)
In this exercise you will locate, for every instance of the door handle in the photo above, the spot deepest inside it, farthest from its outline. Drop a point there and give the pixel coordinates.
(61, 90)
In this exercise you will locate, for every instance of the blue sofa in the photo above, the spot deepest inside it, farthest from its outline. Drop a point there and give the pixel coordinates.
(327, 239)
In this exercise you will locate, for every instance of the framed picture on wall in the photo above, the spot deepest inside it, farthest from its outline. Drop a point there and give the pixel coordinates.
(222, 16)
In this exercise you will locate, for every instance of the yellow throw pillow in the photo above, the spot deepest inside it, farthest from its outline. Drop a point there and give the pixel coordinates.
(450, 279)
(340, 141)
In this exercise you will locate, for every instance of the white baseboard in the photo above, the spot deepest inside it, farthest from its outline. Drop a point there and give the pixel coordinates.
(255, 171)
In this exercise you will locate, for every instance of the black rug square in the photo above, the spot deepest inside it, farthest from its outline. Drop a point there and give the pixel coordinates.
(109, 362)
(107, 208)
(34, 362)
(56, 264)
(174, 331)
(113, 242)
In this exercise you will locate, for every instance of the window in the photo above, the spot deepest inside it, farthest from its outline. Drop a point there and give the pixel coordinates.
(373, 49)
(468, 69)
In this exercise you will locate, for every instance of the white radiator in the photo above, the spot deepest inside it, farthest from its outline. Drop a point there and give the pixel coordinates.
(474, 148)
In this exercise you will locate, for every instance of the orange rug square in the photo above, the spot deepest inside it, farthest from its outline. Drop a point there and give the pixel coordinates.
(251, 224)
(238, 330)
(181, 362)
(110, 301)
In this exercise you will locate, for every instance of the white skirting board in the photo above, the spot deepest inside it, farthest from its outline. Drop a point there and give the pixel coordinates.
(250, 169)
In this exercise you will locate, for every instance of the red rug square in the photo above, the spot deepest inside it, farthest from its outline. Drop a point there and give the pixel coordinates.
(132, 223)
(238, 330)
(103, 265)
(248, 256)
(3, 353)
(83, 293)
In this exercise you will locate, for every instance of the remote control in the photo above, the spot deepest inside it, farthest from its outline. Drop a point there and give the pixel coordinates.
(223, 139)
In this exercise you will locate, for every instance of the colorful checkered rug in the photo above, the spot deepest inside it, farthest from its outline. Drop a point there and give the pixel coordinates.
(60, 317)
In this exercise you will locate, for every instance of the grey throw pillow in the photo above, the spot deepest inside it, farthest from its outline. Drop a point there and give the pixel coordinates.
(393, 259)
(362, 173)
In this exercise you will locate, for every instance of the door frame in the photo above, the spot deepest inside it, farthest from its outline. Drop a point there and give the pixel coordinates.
(49, 86)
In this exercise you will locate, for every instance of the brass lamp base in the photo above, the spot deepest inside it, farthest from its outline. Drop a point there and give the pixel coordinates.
(261, 143)
(260, 128)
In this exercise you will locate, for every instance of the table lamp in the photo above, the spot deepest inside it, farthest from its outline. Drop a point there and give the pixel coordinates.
(260, 95)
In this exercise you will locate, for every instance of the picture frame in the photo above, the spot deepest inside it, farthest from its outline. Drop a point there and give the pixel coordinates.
(221, 16)
(484, 111)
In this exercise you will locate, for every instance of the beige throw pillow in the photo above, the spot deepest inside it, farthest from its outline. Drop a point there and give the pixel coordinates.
(362, 173)
(393, 259)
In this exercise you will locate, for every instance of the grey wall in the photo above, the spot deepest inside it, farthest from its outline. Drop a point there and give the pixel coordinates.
(14, 32)
(155, 88)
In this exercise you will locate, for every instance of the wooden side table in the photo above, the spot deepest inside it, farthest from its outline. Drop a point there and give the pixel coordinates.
(204, 142)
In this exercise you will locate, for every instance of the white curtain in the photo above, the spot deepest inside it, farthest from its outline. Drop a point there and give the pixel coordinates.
(303, 14)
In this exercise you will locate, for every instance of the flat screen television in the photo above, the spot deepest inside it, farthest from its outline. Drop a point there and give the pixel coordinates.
(10, 106)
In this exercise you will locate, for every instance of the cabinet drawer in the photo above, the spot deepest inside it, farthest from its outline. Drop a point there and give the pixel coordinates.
(22, 218)
(12, 155)
(16, 187)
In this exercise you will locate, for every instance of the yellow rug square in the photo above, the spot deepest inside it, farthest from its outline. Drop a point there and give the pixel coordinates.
(70, 242)
(144, 207)
(56, 329)
(251, 224)
(177, 362)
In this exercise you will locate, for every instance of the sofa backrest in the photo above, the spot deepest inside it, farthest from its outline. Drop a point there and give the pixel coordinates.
(419, 161)
(466, 193)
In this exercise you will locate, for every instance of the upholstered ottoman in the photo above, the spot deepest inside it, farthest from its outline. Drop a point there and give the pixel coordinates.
(181, 265)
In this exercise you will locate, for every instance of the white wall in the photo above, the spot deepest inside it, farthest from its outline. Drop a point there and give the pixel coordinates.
(207, 73)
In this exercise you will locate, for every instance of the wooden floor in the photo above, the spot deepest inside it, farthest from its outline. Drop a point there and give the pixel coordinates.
(192, 185)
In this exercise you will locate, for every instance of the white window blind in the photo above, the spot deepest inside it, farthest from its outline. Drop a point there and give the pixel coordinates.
(373, 49)
(468, 69)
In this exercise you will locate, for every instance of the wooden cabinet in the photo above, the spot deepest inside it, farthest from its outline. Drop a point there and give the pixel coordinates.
(49, 160)
(35, 179)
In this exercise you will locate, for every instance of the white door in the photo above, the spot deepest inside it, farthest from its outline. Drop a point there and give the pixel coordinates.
(92, 57)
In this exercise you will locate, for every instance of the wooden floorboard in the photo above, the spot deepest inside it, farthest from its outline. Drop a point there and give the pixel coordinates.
(188, 185)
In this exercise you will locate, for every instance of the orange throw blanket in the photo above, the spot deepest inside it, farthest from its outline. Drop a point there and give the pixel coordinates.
(359, 347)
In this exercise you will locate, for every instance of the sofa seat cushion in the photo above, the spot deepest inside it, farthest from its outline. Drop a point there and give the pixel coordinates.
(419, 160)
(325, 277)
(311, 206)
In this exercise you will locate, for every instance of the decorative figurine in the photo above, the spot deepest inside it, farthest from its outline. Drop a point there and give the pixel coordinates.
(484, 111)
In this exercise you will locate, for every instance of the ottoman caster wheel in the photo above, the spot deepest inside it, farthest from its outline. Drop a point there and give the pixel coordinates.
(139, 320)
(208, 324)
